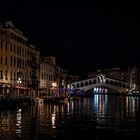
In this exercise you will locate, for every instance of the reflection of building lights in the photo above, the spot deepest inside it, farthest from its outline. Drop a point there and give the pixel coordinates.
(18, 123)
(126, 104)
(53, 118)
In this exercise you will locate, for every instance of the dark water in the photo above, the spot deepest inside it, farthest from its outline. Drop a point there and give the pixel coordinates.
(100, 117)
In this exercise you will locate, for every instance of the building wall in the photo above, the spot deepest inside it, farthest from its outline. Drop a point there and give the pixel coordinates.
(72, 78)
(135, 78)
(47, 74)
(16, 58)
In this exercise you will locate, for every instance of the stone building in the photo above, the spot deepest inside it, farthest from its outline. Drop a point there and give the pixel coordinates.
(135, 78)
(19, 62)
(47, 75)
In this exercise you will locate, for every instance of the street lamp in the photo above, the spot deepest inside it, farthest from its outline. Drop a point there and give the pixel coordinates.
(54, 85)
(19, 81)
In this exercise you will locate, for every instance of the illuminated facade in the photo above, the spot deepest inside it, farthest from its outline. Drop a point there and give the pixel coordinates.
(19, 60)
(47, 74)
(60, 77)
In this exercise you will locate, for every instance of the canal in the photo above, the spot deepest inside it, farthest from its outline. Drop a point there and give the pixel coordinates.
(99, 117)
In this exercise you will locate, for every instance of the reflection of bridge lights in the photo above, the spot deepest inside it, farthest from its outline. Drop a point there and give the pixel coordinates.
(96, 97)
(133, 102)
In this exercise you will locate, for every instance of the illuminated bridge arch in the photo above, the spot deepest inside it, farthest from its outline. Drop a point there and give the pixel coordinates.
(101, 81)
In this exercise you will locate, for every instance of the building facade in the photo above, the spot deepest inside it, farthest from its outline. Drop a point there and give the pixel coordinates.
(19, 62)
(135, 78)
(47, 75)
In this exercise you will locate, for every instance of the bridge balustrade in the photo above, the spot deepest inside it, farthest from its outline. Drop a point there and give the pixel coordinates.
(100, 81)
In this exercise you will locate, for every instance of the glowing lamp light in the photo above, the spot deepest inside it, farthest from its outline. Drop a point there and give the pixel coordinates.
(19, 80)
(68, 86)
(54, 84)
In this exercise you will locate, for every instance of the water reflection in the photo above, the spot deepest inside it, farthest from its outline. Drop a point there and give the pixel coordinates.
(100, 103)
(118, 113)
(19, 123)
(53, 117)
(115, 114)
(117, 106)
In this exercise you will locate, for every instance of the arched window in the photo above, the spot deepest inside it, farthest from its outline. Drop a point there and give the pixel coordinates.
(73, 85)
(115, 83)
(119, 84)
(90, 82)
(128, 86)
(77, 85)
(111, 82)
(81, 84)
(94, 81)
(86, 83)
(107, 81)
(123, 85)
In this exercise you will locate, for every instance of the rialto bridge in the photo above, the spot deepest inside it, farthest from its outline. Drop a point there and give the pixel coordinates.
(101, 84)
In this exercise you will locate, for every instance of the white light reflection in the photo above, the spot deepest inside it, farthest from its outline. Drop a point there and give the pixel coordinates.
(54, 117)
(18, 122)
(68, 107)
(96, 102)
(72, 106)
(133, 105)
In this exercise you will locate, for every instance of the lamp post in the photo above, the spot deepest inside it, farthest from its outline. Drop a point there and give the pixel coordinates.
(54, 85)
(19, 81)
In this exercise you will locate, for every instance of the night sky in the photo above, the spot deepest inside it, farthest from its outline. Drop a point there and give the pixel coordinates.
(82, 39)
